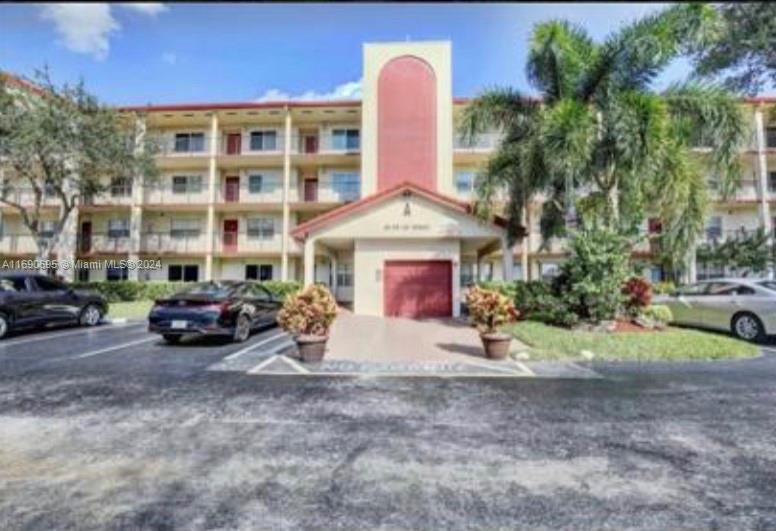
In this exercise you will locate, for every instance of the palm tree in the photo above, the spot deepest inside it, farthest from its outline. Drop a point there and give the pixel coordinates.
(599, 126)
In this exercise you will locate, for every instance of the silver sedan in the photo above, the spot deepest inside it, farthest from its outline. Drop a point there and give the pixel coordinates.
(744, 306)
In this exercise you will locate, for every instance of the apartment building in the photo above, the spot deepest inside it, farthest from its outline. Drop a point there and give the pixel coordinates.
(371, 197)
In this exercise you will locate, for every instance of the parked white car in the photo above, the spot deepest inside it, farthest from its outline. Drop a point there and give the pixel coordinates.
(744, 306)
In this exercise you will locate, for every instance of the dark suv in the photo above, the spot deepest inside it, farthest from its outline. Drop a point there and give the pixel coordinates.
(29, 300)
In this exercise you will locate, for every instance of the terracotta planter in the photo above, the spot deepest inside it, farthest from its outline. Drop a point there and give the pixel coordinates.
(496, 345)
(311, 348)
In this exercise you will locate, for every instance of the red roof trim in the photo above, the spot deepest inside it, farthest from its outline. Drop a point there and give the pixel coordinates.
(240, 105)
(302, 231)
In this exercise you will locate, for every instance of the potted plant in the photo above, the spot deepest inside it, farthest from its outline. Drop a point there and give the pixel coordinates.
(308, 315)
(488, 310)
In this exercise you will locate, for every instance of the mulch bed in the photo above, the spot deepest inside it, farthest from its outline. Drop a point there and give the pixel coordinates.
(627, 326)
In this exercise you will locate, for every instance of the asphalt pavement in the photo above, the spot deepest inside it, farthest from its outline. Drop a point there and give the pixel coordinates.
(109, 428)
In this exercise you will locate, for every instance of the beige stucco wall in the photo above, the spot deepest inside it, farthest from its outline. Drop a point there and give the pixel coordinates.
(438, 56)
(369, 259)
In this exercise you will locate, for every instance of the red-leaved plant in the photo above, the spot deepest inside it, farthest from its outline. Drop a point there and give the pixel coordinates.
(638, 294)
(308, 312)
(488, 309)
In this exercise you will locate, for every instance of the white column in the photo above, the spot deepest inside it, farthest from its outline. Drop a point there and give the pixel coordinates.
(136, 211)
(691, 275)
(508, 260)
(211, 187)
(525, 245)
(309, 261)
(762, 174)
(333, 259)
(66, 248)
(286, 196)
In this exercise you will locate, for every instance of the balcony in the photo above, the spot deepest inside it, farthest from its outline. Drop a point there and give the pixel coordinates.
(485, 142)
(104, 243)
(716, 235)
(166, 193)
(241, 244)
(189, 242)
(232, 192)
(120, 195)
(746, 192)
(327, 144)
(26, 196)
(18, 244)
(173, 146)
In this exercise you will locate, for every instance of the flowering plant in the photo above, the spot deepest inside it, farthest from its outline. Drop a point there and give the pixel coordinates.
(308, 312)
(489, 309)
(638, 294)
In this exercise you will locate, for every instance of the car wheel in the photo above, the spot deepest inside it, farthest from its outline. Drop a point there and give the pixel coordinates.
(90, 315)
(242, 329)
(4, 325)
(172, 339)
(747, 326)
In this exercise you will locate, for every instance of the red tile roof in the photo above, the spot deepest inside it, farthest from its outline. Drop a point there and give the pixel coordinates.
(302, 231)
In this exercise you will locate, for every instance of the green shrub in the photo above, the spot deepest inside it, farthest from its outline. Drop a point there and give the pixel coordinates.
(130, 290)
(665, 287)
(659, 313)
(590, 281)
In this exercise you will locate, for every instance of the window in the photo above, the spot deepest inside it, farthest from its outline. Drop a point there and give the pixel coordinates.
(116, 274)
(261, 272)
(344, 275)
(118, 228)
(258, 184)
(257, 292)
(120, 187)
(464, 181)
(48, 284)
(770, 137)
(48, 189)
(83, 275)
(346, 185)
(768, 284)
(183, 184)
(772, 181)
(261, 228)
(345, 139)
(264, 140)
(13, 284)
(185, 273)
(548, 270)
(517, 271)
(47, 228)
(487, 271)
(184, 228)
(714, 228)
(189, 142)
(467, 274)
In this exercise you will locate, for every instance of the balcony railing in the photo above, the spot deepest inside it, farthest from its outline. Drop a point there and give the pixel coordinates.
(273, 193)
(18, 244)
(483, 142)
(166, 193)
(326, 144)
(245, 145)
(174, 242)
(106, 242)
(26, 196)
(169, 146)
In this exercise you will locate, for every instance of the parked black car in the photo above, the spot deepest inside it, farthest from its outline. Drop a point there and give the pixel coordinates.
(223, 308)
(29, 300)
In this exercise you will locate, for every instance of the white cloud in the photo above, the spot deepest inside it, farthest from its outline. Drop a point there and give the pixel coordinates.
(170, 58)
(346, 91)
(147, 8)
(86, 28)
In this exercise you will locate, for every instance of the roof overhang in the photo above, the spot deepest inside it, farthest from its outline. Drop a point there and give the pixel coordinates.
(303, 231)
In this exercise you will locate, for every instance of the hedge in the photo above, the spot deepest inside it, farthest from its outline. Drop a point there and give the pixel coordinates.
(129, 290)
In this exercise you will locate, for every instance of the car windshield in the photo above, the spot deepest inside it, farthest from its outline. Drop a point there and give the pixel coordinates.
(12, 284)
(212, 289)
(768, 284)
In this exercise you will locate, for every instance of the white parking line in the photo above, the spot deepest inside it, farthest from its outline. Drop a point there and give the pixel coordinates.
(43, 337)
(254, 345)
(114, 347)
(263, 364)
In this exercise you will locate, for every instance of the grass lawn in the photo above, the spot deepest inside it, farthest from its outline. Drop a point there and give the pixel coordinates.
(553, 343)
(130, 310)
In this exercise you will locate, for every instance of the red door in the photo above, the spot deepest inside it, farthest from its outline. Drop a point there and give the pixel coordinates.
(311, 190)
(232, 189)
(230, 235)
(421, 288)
(233, 143)
(86, 236)
(311, 144)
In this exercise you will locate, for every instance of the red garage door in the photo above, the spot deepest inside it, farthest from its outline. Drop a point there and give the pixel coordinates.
(420, 288)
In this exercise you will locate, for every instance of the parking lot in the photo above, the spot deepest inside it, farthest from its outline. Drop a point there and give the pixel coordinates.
(111, 428)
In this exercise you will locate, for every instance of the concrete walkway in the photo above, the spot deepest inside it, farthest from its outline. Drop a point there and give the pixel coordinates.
(394, 339)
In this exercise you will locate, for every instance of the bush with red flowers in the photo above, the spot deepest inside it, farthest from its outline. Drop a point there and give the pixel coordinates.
(638, 295)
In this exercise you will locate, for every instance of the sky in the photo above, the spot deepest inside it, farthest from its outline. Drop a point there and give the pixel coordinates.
(135, 54)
